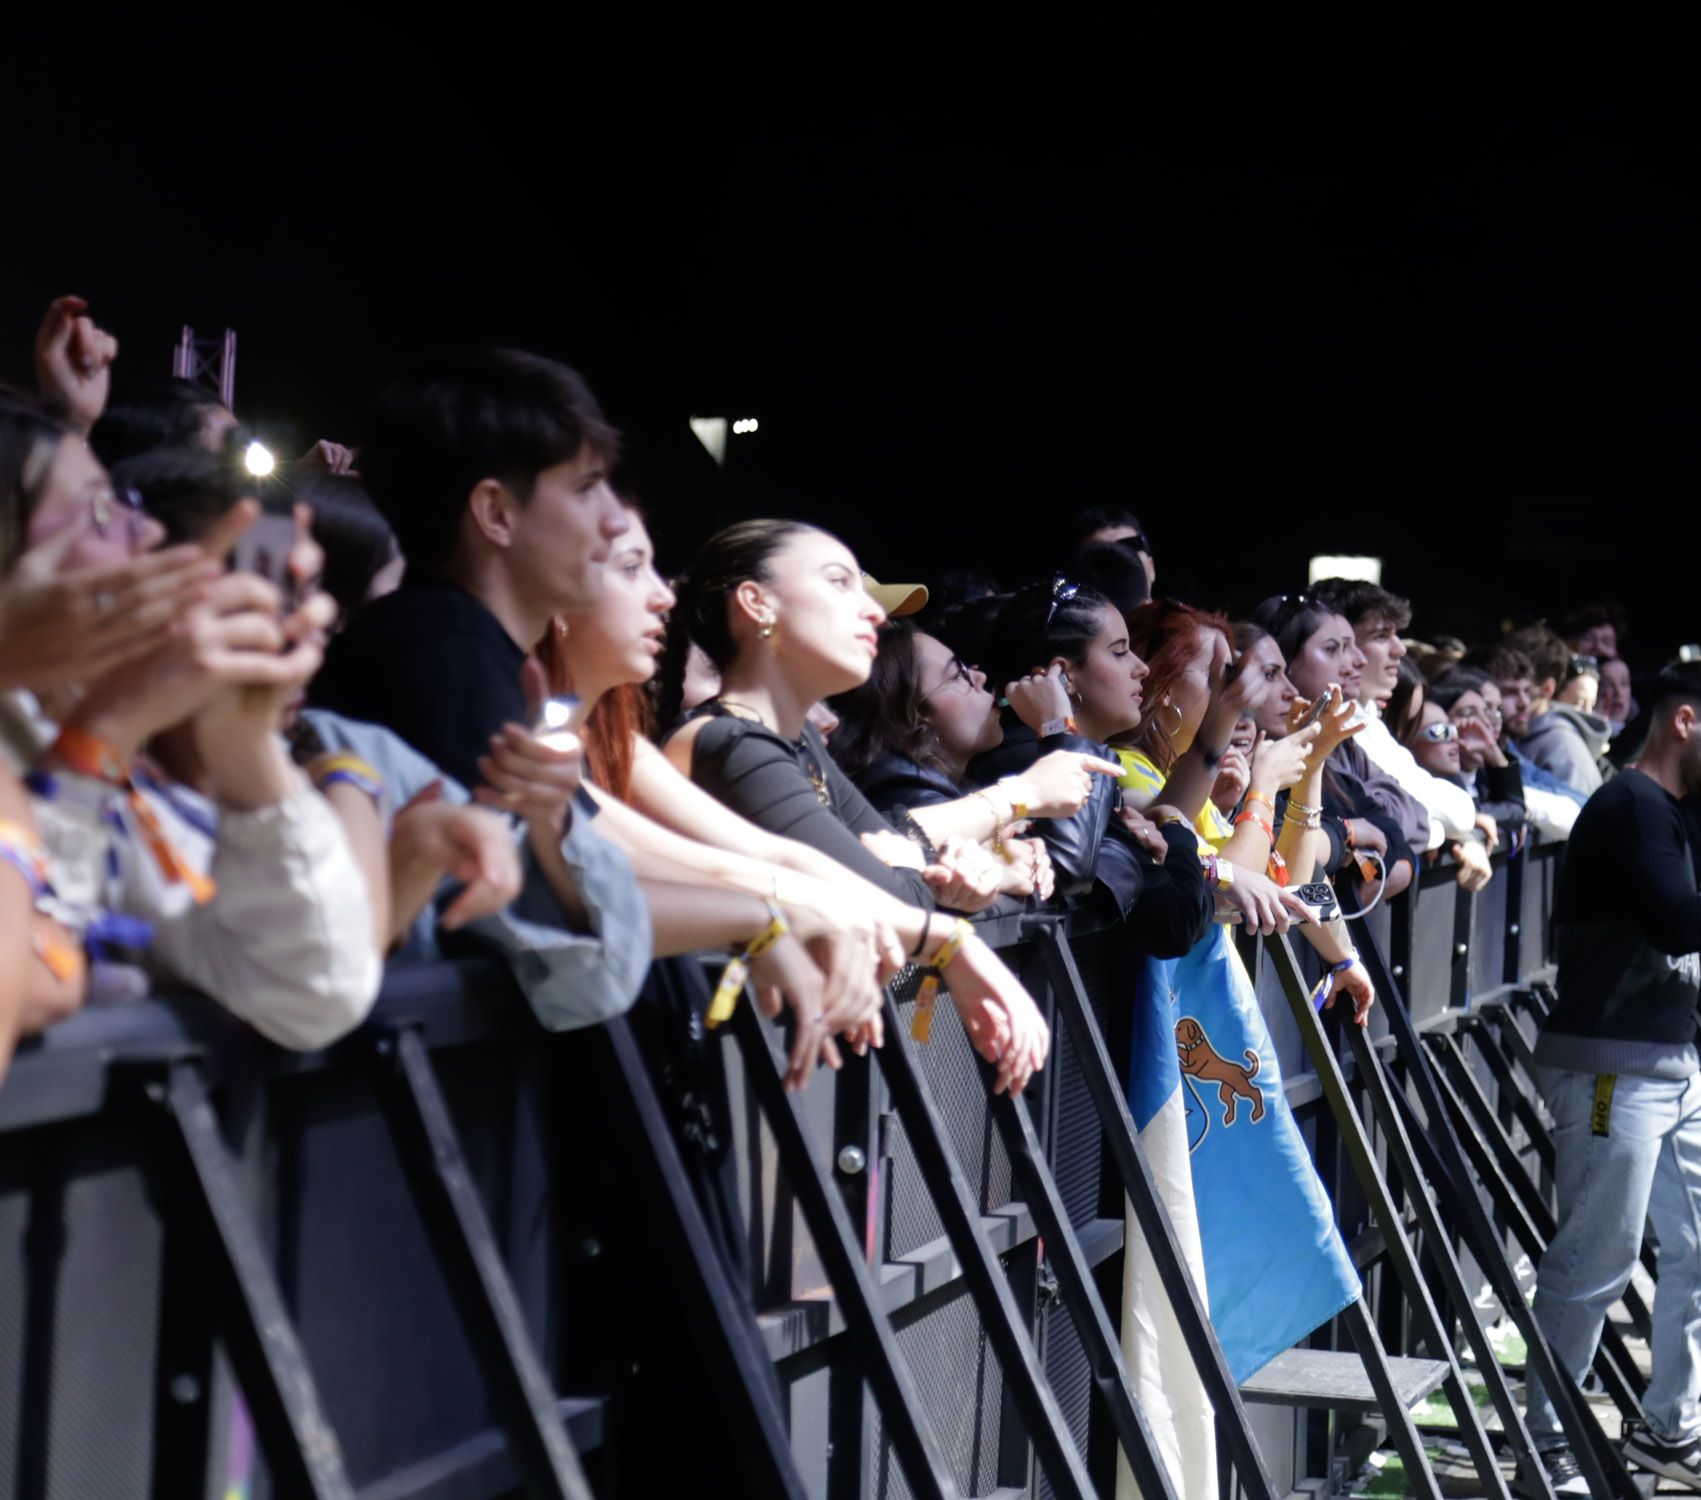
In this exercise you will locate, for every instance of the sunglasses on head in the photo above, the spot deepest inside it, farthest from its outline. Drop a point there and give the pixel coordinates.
(1062, 591)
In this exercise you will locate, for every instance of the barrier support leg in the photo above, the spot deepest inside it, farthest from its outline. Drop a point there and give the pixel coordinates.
(839, 1246)
(1080, 1295)
(1602, 1465)
(1400, 1252)
(1111, 1105)
(1003, 1321)
(301, 1448)
(724, 1337)
(449, 1202)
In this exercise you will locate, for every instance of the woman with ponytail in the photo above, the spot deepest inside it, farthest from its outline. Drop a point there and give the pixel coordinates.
(780, 609)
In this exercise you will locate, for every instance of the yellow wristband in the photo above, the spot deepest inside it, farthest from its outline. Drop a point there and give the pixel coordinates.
(948, 950)
(766, 938)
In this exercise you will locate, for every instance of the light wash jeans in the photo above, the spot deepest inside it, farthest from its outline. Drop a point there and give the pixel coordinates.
(1647, 1165)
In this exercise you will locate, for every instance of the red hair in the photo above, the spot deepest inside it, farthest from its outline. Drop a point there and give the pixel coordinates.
(619, 717)
(1165, 634)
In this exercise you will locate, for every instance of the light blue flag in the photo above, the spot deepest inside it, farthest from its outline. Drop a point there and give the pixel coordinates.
(1275, 1266)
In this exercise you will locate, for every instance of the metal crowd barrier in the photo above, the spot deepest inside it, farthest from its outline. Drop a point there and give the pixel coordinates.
(456, 1256)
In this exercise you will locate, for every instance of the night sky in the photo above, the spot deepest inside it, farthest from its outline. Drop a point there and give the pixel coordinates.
(1451, 322)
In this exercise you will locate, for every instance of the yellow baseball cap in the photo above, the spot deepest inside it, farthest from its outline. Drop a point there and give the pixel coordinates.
(896, 598)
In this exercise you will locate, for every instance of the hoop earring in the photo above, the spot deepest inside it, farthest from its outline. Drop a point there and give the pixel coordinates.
(1179, 719)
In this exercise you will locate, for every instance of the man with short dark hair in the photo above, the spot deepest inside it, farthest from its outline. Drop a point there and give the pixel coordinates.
(1619, 1070)
(1101, 524)
(492, 469)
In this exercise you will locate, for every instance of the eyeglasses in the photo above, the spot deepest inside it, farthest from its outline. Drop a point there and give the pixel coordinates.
(1062, 591)
(958, 674)
(1440, 734)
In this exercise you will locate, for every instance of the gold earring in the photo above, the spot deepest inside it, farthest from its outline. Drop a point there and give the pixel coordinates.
(766, 630)
(1179, 718)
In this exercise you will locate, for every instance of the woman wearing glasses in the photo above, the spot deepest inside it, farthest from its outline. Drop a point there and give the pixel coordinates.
(906, 738)
(1471, 701)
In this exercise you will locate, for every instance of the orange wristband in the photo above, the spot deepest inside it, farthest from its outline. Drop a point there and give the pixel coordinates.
(1262, 822)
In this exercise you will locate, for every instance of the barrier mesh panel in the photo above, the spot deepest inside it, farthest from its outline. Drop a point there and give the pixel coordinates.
(961, 1389)
(949, 1065)
(1076, 1148)
(1070, 1377)
(79, 1310)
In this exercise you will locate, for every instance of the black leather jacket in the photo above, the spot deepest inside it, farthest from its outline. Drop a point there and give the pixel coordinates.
(1167, 907)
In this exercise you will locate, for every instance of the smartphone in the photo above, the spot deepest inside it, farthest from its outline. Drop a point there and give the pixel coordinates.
(559, 717)
(1312, 714)
(264, 549)
(1317, 897)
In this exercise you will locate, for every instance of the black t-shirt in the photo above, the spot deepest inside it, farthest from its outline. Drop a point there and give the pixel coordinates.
(1627, 919)
(432, 664)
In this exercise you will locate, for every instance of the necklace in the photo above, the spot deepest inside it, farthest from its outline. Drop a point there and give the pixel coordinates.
(805, 756)
(742, 710)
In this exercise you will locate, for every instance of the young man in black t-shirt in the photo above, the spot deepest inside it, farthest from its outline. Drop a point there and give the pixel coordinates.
(1619, 1071)
(493, 471)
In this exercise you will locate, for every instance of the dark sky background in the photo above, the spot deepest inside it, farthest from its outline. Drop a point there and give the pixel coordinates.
(1454, 323)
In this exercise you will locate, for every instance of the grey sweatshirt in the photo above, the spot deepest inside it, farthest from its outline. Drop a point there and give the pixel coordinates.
(1568, 742)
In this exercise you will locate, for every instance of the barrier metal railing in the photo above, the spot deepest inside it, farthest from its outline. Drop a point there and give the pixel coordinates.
(188, 1214)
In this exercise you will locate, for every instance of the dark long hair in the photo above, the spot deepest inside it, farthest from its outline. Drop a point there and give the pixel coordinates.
(1451, 686)
(1290, 620)
(359, 543)
(886, 715)
(152, 414)
(732, 555)
(29, 438)
(1028, 632)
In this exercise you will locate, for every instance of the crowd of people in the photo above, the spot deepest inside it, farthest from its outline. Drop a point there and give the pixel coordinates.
(459, 708)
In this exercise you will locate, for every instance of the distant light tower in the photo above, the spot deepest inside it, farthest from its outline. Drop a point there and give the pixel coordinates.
(208, 362)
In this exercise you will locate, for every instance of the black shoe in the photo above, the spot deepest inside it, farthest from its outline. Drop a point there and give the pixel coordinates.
(1679, 1461)
(1562, 1473)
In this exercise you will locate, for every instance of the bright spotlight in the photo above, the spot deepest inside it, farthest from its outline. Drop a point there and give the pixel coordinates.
(257, 460)
(745, 425)
(1367, 569)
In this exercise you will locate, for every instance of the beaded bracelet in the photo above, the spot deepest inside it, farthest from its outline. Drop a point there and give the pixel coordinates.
(921, 1023)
